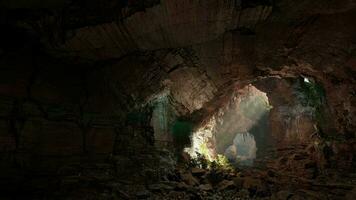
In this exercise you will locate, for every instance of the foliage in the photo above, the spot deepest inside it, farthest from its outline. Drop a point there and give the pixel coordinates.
(223, 163)
(220, 163)
(200, 161)
(215, 176)
(203, 148)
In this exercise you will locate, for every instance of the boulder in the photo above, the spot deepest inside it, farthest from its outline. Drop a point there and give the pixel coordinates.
(251, 183)
(144, 194)
(225, 184)
(351, 195)
(189, 179)
(206, 187)
(198, 171)
(283, 195)
(159, 187)
(238, 181)
(182, 186)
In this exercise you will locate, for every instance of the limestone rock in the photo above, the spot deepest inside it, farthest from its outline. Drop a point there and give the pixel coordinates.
(238, 181)
(351, 195)
(159, 187)
(189, 179)
(206, 187)
(225, 184)
(144, 194)
(252, 183)
(283, 195)
(198, 171)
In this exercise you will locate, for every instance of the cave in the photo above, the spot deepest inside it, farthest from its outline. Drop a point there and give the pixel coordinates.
(177, 99)
(237, 130)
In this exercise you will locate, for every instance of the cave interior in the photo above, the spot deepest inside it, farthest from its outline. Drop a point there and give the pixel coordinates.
(178, 99)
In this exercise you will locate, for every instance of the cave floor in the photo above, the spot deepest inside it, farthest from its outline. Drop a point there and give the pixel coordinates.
(292, 174)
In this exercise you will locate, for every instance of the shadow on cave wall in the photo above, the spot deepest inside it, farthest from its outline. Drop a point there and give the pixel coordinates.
(262, 134)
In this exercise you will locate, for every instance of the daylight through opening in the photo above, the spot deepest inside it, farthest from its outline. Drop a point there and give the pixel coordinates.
(237, 131)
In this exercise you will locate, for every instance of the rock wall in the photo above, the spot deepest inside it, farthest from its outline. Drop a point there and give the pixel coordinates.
(57, 121)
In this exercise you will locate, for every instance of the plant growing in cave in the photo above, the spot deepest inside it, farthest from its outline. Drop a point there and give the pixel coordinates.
(223, 163)
(199, 161)
(203, 149)
(220, 163)
(215, 176)
(217, 168)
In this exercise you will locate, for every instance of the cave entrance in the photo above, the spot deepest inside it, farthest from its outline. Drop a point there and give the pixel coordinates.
(239, 130)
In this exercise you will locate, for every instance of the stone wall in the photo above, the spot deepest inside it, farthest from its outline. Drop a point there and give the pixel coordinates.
(55, 117)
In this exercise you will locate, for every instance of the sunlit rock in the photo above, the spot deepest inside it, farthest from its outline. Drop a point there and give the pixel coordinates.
(243, 150)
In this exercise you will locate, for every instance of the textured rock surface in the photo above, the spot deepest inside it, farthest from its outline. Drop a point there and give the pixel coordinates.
(163, 26)
(79, 81)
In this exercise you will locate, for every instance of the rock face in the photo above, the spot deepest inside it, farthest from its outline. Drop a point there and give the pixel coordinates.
(163, 26)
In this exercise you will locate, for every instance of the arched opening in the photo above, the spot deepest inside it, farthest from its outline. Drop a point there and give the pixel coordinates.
(239, 130)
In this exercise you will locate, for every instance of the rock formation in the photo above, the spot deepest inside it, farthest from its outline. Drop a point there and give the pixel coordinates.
(136, 99)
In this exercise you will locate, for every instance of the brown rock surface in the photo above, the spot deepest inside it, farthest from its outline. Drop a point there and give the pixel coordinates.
(90, 91)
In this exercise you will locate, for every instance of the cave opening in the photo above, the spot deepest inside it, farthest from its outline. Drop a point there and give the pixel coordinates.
(239, 130)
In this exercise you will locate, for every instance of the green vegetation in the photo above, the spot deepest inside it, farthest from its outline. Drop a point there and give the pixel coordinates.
(220, 163)
(223, 163)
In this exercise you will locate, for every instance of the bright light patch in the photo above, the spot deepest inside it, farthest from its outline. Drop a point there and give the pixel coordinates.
(243, 150)
(228, 131)
(306, 80)
(202, 141)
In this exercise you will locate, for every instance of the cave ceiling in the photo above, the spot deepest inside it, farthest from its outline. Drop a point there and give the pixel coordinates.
(153, 43)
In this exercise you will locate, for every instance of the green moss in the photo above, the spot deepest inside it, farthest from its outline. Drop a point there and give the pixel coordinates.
(219, 163)
(203, 148)
(223, 162)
